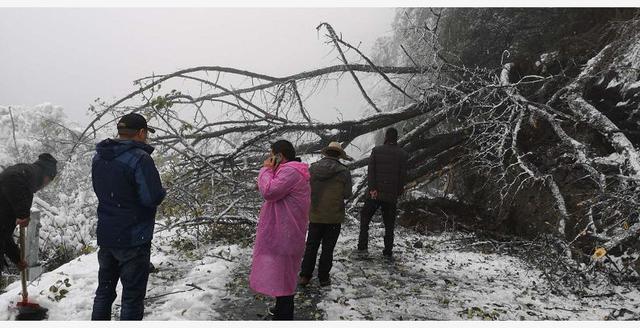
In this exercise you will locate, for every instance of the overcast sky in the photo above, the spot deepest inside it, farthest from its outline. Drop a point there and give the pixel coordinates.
(69, 57)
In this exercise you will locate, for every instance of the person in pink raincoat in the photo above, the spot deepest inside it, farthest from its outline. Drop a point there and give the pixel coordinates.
(280, 239)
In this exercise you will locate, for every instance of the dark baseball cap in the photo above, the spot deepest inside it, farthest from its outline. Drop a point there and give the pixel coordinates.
(134, 122)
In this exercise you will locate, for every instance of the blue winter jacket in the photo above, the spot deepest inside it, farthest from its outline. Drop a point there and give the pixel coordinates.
(128, 187)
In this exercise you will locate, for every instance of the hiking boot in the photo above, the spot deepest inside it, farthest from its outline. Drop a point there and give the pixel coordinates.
(388, 257)
(325, 283)
(304, 281)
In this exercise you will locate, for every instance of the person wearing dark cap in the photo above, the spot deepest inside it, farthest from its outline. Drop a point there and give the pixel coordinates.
(18, 183)
(127, 184)
(386, 175)
(330, 185)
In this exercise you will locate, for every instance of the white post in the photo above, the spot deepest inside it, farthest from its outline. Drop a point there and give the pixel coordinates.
(32, 246)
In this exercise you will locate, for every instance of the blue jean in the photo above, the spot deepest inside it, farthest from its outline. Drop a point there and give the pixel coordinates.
(129, 265)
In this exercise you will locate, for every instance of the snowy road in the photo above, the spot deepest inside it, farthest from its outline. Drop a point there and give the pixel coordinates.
(431, 279)
(437, 281)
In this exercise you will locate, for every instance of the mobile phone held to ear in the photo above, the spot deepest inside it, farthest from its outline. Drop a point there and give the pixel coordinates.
(277, 158)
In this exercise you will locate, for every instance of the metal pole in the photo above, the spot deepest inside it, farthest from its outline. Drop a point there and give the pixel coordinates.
(24, 275)
(34, 269)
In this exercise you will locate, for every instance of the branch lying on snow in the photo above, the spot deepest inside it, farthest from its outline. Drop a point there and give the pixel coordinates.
(203, 220)
(192, 285)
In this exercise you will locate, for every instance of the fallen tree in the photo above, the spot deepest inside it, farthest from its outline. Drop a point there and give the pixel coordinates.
(528, 154)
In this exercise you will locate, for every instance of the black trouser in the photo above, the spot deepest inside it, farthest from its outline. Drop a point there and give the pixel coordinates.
(388, 218)
(327, 235)
(130, 266)
(284, 308)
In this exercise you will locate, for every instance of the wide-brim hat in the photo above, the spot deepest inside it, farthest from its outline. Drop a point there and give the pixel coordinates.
(336, 146)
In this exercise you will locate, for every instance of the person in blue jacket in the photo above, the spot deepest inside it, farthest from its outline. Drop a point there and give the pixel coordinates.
(127, 184)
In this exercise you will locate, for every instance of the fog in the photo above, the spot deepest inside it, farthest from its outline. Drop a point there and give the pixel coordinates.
(70, 57)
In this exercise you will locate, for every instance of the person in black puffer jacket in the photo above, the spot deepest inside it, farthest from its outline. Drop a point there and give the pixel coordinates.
(387, 175)
(18, 183)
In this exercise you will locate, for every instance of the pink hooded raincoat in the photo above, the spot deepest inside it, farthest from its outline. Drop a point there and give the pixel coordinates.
(282, 228)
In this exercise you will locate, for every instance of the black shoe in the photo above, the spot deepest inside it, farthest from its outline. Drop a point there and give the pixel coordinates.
(388, 257)
(325, 283)
(271, 311)
(303, 281)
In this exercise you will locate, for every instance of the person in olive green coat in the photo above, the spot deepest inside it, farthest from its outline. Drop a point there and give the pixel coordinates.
(330, 186)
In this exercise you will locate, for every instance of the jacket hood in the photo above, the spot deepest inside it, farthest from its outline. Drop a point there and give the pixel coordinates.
(326, 168)
(112, 148)
(303, 168)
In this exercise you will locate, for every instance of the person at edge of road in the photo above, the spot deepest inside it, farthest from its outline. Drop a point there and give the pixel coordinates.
(330, 186)
(127, 184)
(283, 182)
(18, 183)
(387, 173)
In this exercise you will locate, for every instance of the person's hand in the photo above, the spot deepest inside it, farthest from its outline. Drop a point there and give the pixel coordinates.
(22, 264)
(269, 162)
(22, 222)
(373, 194)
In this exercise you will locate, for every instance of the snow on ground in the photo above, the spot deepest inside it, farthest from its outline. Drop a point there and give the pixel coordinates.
(81, 274)
(203, 280)
(185, 286)
(437, 281)
(432, 278)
